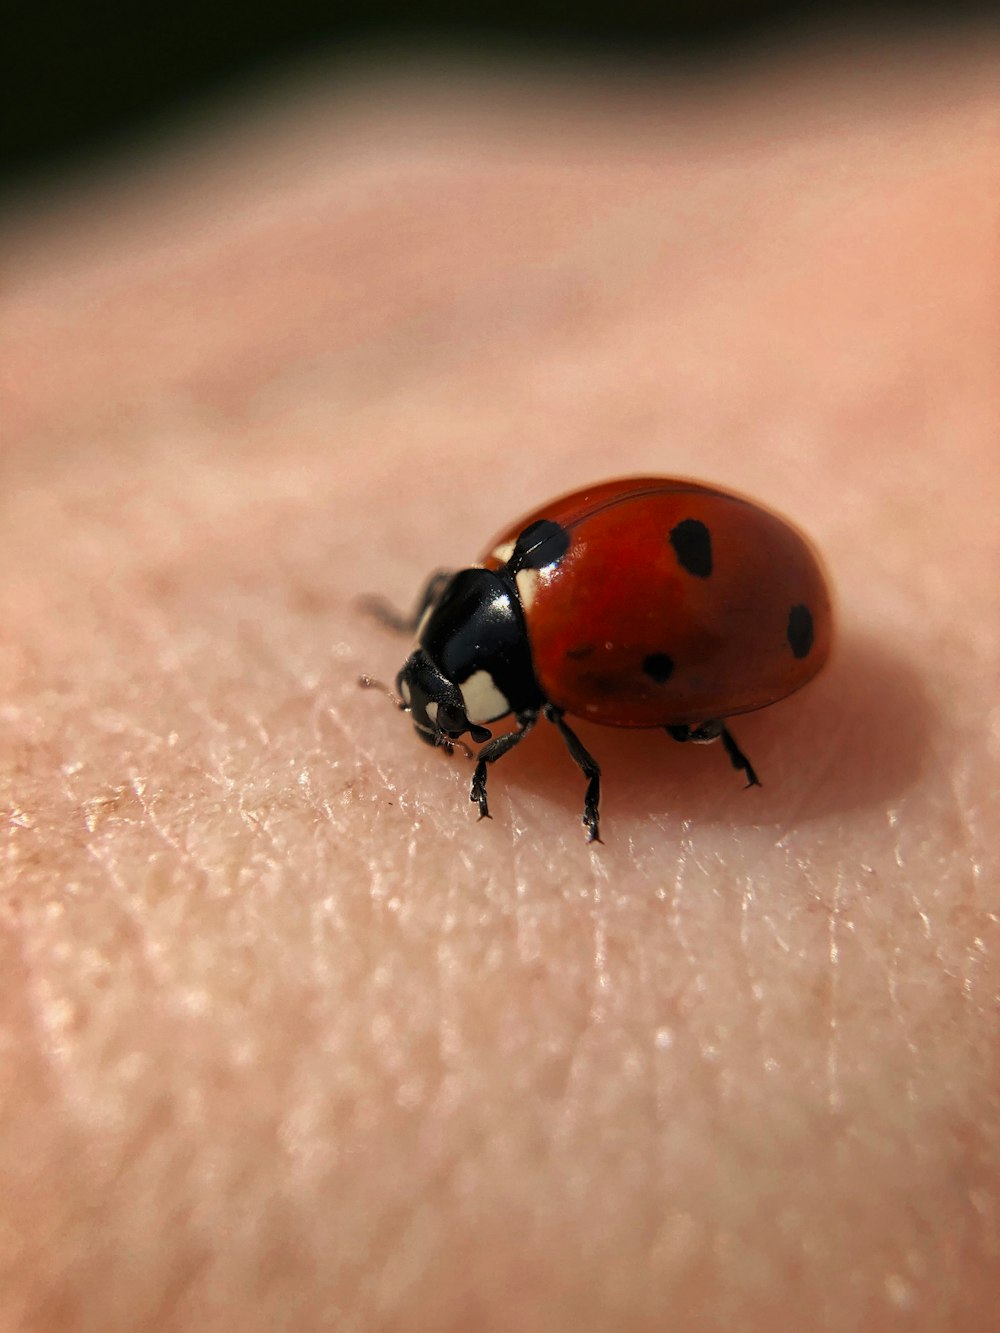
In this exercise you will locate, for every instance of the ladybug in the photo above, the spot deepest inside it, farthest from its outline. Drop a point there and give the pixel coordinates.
(639, 602)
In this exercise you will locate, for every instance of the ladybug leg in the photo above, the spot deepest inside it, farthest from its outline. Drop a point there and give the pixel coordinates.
(711, 731)
(738, 759)
(490, 753)
(591, 771)
(386, 614)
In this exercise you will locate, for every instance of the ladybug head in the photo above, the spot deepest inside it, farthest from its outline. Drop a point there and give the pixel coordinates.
(472, 662)
(435, 702)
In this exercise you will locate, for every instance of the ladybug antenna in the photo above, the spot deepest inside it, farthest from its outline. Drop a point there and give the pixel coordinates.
(441, 739)
(450, 743)
(370, 683)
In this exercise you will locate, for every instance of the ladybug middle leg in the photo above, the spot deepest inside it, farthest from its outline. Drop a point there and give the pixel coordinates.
(386, 614)
(711, 731)
(591, 771)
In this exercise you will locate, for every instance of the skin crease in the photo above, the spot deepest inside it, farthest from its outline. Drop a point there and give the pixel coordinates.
(289, 1040)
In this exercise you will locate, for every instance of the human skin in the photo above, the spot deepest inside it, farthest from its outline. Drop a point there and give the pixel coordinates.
(290, 1041)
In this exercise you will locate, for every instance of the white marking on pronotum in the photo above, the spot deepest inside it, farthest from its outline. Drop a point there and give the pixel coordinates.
(432, 711)
(404, 690)
(504, 552)
(483, 701)
(527, 585)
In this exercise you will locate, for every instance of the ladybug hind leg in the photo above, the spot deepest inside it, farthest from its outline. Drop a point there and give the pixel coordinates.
(399, 621)
(711, 731)
(738, 759)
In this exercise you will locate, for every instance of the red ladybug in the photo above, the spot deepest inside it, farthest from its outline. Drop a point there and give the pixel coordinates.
(642, 602)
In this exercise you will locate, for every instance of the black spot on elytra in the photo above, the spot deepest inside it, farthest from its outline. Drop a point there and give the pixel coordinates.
(800, 630)
(692, 543)
(658, 667)
(578, 654)
(540, 545)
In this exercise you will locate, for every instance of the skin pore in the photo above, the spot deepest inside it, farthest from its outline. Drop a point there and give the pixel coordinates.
(290, 1039)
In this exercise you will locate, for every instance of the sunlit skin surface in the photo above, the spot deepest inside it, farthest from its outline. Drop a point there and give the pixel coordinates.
(292, 1041)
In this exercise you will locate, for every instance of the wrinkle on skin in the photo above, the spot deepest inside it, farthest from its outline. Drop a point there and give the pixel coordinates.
(290, 1039)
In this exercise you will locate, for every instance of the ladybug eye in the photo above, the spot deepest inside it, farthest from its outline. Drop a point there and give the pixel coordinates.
(451, 718)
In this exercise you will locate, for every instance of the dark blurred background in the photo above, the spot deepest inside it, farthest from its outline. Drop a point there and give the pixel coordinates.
(85, 79)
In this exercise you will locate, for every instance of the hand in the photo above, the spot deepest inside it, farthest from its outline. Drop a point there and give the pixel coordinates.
(292, 1040)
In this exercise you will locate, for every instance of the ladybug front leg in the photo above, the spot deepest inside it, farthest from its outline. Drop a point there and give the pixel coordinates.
(711, 731)
(490, 753)
(591, 771)
(386, 614)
